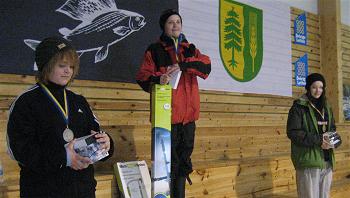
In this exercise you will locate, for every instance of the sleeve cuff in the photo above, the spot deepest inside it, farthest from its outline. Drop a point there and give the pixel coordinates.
(69, 160)
(183, 66)
(155, 79)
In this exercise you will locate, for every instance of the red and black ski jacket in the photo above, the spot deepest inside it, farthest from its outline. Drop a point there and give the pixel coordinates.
(160, 55)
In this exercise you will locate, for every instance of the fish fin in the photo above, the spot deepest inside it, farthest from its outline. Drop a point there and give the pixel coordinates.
(121, 30)
(31, 43)
(65, 31)
(87, 10)
(80, 53)
(101, 54)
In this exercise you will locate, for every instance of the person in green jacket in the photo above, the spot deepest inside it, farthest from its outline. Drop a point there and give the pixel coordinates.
(312, 155)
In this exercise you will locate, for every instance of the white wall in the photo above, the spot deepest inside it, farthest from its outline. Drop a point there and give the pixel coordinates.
(345, 11)
(201, 27)
(307, 5)
(311, 6)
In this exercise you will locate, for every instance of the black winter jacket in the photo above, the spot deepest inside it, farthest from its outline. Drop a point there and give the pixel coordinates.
(35, 140)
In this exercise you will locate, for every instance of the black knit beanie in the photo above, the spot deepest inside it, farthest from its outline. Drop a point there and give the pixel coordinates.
(165, 15)
(313, 78)
(48, 48)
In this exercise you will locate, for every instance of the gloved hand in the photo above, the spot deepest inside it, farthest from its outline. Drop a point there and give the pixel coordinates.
(190, 51)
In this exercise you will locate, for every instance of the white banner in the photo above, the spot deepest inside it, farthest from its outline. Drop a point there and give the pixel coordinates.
(201, 25)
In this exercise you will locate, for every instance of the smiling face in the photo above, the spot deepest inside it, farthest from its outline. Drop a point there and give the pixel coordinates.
(173, 26)
(316, 89)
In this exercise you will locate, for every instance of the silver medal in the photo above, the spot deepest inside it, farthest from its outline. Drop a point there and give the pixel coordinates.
(68, 135)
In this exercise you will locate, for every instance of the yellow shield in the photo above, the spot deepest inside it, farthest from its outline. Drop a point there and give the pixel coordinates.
(241, 43)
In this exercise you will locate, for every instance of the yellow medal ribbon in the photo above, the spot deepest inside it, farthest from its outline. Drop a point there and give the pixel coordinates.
(322, 115)
(176, 43)
(64, 111)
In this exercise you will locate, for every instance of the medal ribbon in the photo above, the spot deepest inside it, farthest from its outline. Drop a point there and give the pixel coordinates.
(64, 112)
(322, 115)
(177, 42)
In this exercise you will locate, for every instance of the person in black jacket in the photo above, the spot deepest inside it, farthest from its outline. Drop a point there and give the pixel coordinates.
(44, 123)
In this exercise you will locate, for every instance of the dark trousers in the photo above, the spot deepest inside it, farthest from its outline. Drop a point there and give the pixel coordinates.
(182, 143)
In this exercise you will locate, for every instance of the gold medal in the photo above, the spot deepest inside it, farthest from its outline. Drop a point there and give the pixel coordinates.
(68, 135)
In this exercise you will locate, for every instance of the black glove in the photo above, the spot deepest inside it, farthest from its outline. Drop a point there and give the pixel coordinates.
(190, 51)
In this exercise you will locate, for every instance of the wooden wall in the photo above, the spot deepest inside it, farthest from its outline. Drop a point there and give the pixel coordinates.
(241, 147)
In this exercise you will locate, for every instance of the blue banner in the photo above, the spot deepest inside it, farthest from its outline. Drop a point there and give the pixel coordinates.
(300, 32)
(301, 71)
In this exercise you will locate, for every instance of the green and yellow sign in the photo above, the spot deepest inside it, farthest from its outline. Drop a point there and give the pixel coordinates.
(241, 39)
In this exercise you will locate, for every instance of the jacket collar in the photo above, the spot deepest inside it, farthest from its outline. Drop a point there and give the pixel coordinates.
(304, 101)
(166, 41)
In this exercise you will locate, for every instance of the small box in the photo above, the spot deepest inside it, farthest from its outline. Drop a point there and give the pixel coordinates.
(133, 179)
(87, 146)
(332, 138)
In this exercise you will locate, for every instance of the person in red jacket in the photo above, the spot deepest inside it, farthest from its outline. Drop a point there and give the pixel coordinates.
(170, 53)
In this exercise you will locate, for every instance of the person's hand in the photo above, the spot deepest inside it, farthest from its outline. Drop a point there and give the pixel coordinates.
(77, 162)
(325, 145)
(172, 68)
(103, 139)
(164, 79)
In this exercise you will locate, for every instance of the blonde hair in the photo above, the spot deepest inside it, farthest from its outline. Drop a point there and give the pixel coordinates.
(70, 54)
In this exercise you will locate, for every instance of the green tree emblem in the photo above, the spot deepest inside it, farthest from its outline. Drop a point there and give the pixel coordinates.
(233, 35)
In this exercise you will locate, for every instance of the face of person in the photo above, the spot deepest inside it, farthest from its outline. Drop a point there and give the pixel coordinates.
(62, 72)
(173, 26)
(316, 89)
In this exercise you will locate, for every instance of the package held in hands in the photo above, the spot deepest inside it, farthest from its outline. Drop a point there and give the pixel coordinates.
(332, 138)
(87, 146)
(175, 78)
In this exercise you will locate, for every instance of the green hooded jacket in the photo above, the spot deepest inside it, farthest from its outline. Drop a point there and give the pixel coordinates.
(306, 139)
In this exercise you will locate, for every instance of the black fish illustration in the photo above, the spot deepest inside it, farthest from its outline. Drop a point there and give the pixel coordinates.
(102, 25)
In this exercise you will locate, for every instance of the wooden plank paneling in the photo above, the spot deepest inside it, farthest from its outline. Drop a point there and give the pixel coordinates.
(241, 148)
